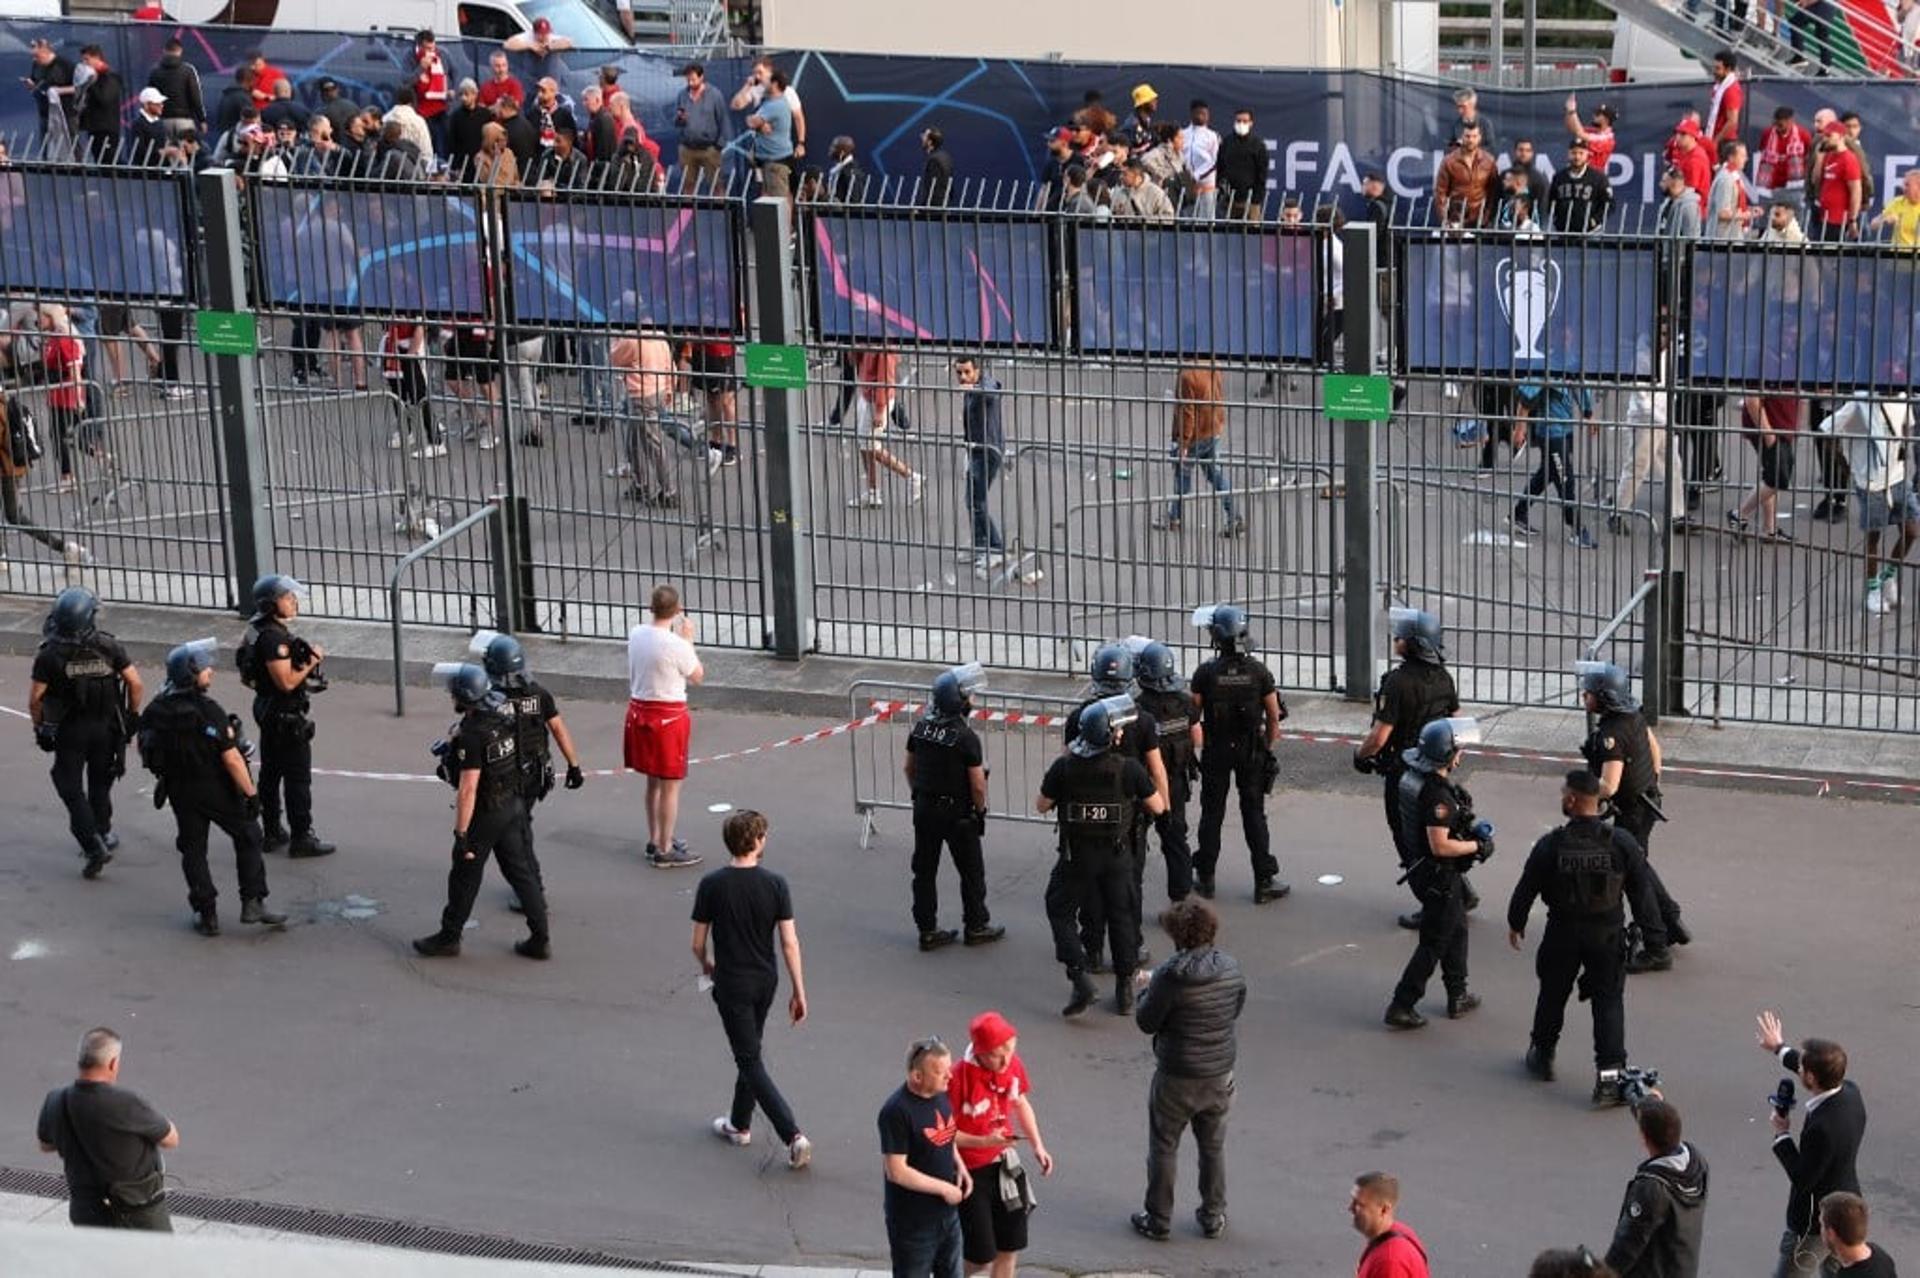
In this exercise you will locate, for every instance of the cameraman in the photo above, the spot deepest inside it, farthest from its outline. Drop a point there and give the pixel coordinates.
(1664, 1212)
(1822, 1162)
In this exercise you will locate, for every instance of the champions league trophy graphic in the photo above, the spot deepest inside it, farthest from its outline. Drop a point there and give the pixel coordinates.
(1528, 294)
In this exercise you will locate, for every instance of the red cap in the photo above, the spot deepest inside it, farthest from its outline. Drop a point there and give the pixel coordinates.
(1834, 126)
(1688, 126)
(541, 26)
(989, 1030)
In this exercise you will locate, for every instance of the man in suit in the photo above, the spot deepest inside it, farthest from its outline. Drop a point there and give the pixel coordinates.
(1822, 1161)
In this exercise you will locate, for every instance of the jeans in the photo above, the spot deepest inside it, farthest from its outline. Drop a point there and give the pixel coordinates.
(1202, 452)
(1801, 1257)
(744, 1017)
(596, 377)
(1172, 1104)
(930, 1250)
(1205, 206)
(983, 468)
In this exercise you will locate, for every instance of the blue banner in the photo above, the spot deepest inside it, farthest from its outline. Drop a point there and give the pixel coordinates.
(1810, 318)
(624, 264)
(977, 281)
(1507, 304)
(408, 254)
(1182, 291)
(84, 234)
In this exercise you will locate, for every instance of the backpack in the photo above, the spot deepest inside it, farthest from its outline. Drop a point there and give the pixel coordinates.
(157, 735)
(246, 659)
(23, 434)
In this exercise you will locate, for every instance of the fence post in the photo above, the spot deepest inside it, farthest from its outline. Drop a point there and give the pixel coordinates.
(236, 386)
(788, 502)
(1360, 571)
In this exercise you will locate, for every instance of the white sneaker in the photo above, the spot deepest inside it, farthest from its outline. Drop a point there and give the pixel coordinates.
(393, 440)
(915, 482)
(77, 555)
(488, 442)
(174, 390)
(729, 1133)
(800, 1153)
(984, 566)
(1890, 587)
(1876, 600)
(714, 458)
(623, 471)
(869, 500)
(430, 452)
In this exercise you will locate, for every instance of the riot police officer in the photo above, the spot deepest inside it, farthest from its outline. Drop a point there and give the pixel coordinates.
(1098, 788)
(1584, 871)
(193, 748)
(537, 724)
(1623, 752)
(284, 672)
(1240, 712)
(83, 696)
(1412, 695)
(946, 771)
(1110, 675)
(1439, 838)
(480, 759)
(1163, 698)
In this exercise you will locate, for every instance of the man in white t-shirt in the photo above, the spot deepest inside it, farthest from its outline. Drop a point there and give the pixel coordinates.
(661, 663)
(754, 92)
(1874, 432)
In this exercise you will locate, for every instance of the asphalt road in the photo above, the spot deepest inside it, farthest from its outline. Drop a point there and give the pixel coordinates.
(327, 1066)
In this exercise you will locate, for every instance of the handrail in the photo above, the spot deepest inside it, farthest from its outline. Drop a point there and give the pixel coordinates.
(1649, 582)
(491, 510)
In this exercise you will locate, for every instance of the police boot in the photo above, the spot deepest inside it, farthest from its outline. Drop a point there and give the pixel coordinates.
(937, 939)
(1402, 1017)
(984, 935)
(97, 854)
(1676, 930)
(1084, 993)
(1270, 890)
(533, 947)
(112, 841)
(1123, 995)
(307, 843)
(1461, 1004)
(1097, 962)
(1540, 1063)
(276, 833)
(255, 911)
(439, 945)
(206, 923)
(1203, 886)
(1646, 960)
(1606, 1087)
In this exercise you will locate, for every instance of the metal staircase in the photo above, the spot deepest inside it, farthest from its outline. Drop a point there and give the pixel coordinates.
(1857, 38)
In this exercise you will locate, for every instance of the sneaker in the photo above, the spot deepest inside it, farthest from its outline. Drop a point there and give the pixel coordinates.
(1831, 510)
(1581, 539)
(729, 1133)
(674, 858)
(1645, 960)
(76, 555)
(868, 500)
(1461, 1004)
(1234, 527)
(984, 566)
(715, 458)
(730, 456)
(174, 390)
(1890, 586)
(1778, 536)
(1270, 890)
(800, 1152)
(1144, 1226)
(1615, 524)
(393, 440)
(623, 471)
(487, 443)
(1403, 1018)
(1165, 523)
(915, 483)
(983, 935)
(1211, 1226)
(938, 939)
(431, 452)
(1522, 530)
(1738, 524)
(1877, 600)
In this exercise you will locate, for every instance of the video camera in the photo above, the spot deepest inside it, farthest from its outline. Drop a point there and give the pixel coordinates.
(1631, 1084)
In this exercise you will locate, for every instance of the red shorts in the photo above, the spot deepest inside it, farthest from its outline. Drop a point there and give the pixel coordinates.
(657, 736)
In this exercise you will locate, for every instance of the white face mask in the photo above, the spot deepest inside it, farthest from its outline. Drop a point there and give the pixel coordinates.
(1242, 129)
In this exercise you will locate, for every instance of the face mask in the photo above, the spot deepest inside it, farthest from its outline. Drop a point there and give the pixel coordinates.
(1242, 129)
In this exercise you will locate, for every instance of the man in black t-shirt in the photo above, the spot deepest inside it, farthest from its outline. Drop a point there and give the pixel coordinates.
(741, 906)
(1843, 1226)
(109, 1141)
(925, 1181)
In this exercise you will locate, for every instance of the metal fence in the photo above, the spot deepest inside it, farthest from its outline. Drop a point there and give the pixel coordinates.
(1157, 440)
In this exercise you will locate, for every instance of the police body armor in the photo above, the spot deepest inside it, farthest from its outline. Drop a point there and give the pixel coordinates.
(1589, 880)
(1173, 712)
(1628, 731)
(1234, 709)
(500, 774)
(1097, 815)
(938, 732)
(174, 743)
(87, 688)
(1435, 698)
(1415, 799)
(272, 707)
(530, 740)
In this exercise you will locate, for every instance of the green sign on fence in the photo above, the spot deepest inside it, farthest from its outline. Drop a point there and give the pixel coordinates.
(227, 333)
(776, 367)
(1351, 398)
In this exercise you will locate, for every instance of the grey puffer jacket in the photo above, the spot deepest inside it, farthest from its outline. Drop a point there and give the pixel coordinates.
(1189, 1007)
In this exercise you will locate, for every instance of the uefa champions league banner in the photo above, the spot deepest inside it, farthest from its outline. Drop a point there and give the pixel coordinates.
(624, 264)
(1813, 319)
(400, 253)
(122, 235)
(1510, 305)
(1241, 294)
(975, 281)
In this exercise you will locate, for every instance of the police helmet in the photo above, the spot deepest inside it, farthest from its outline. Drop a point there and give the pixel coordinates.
(1440, 740)
(502, 656)
(1096, 733)
(1111, 669)
(73, 613)
(953, 689)
(1608, 684)
(274, 587)
(1156, 669)
(1421, 631)
(468, 684)
(185, 663)
(1226, 623)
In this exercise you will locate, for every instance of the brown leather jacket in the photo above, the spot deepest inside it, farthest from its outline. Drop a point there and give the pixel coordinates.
(1468, 187)
(1199, 405)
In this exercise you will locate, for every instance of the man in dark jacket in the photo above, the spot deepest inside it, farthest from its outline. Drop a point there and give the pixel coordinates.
(234, 99)
(175, 77)
(1664, 1213)
(1189, 1005)
(100, 107)
(1243, 169)
(1822, 1162)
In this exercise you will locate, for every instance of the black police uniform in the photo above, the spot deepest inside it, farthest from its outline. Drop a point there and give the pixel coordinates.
(484, 741)
(1585, 871)
(1622, 735)
(1232, 691)
(1412, 695)
(286, 725)
(83, 706)
(184, 737)
(1428, 799)
(1173, 713)
(1138, 740)
(1097, 800)
(944, 747)
(532, 708)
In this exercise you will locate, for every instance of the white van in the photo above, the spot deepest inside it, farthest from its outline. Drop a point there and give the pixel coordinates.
(580, 21)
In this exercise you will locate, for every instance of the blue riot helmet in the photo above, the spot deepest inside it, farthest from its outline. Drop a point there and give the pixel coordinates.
(1111, 669)
(1156, 669)
(1096, 733)
(1440, 740)
(1226, 624)
(467, 684)
(185, 663)
(1607, 684)
(504, 660)
(73, 614)
(953, 689)
(1421, 632)
(274, 587)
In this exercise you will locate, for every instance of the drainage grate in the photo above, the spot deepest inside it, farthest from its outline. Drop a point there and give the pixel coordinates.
(363, 1229)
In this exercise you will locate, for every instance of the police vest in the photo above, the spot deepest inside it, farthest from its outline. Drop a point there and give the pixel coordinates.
(1097, 813)
(176, 739)
(500, 779)
(530, 737)
(1589, 873)
(1425, 693)
(939, 772)
(1625, 734)
(1173, 712)
(1419, 793)
(1234, 703)
(84, 688)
